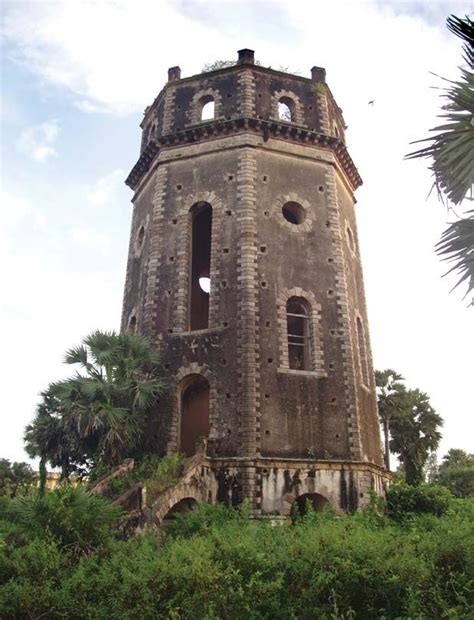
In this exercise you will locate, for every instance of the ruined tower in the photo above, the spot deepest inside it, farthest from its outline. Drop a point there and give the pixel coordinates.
(244, 271)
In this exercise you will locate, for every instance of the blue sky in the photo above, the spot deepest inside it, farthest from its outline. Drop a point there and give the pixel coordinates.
(76, 77)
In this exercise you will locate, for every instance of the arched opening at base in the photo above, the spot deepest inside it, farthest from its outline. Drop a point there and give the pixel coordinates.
(187, 504)
(194, 412)
(315, 500)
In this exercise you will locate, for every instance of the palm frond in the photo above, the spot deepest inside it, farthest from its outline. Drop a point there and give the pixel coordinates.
(452, 148)
(77, 355)
(457, 246)
(464, 29)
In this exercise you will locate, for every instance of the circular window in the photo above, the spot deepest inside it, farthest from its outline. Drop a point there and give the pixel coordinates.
(293, 213)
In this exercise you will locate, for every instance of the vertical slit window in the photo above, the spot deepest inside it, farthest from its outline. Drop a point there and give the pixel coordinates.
(298, 333)
(200, 288)
(364, 368)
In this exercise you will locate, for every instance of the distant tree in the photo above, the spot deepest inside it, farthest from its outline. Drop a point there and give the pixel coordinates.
(431, 468)
(457, 458)
(456, 473)
(55, 440)
(101, 413)
(15, 476)
(451, 152)
(388, 402)
(414, 431)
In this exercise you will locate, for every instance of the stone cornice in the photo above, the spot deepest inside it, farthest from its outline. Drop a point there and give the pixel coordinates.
(217, 127)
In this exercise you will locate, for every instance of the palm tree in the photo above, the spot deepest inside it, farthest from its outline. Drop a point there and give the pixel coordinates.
(388, 402)
(101, 411)
(451, 152)
(414, 431)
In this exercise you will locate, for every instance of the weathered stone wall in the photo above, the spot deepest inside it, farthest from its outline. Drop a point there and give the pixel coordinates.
(247, 164)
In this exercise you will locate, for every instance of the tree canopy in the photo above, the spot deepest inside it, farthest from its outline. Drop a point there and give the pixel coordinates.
(101, 412)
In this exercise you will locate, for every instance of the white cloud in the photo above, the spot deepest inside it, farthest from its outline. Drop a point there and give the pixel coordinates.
(106, 187)
(38, 142)
(108, 54)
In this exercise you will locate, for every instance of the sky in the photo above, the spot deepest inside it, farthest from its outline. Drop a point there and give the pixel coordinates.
(75, 79)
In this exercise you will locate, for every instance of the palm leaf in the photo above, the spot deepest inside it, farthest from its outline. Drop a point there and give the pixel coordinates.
(457, 246)
(452, 148)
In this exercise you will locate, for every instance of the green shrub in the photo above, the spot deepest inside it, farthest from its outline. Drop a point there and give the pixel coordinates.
(165, 473)
(405, 501)
(69, 515)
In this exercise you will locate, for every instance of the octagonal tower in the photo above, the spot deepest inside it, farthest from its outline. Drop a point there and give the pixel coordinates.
(244, 271)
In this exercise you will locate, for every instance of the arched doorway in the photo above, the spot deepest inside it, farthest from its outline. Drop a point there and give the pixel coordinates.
(317, 501)
(194, 406)
(187, 504)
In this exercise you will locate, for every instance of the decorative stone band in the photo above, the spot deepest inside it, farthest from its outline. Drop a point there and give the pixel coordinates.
(211, 129)
(247, 325)
(153, 265)
(246, 91)
(317, 353)
(175, 395)
(348, 345)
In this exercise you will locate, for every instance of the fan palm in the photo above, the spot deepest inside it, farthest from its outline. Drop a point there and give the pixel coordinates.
(414, 431)
(104, 407)
(451, 152)
(389, 397)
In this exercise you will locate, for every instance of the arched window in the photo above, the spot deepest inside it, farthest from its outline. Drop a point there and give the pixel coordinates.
(299, 333)
(132, 325)
(200, 287)
(208, 108)
(194, 407)
(286, 109)
(364, 366)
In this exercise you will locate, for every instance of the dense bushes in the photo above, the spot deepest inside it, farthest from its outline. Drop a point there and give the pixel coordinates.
(70, 517)
(217, 563)
(405, 501)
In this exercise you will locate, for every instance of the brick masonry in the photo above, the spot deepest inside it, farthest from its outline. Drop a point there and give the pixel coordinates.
(247, 164)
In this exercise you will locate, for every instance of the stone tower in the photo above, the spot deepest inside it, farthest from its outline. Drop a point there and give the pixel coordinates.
(244, 271)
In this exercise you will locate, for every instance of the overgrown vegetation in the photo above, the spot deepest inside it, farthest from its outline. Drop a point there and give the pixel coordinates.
(217, 563)
(156, 473)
